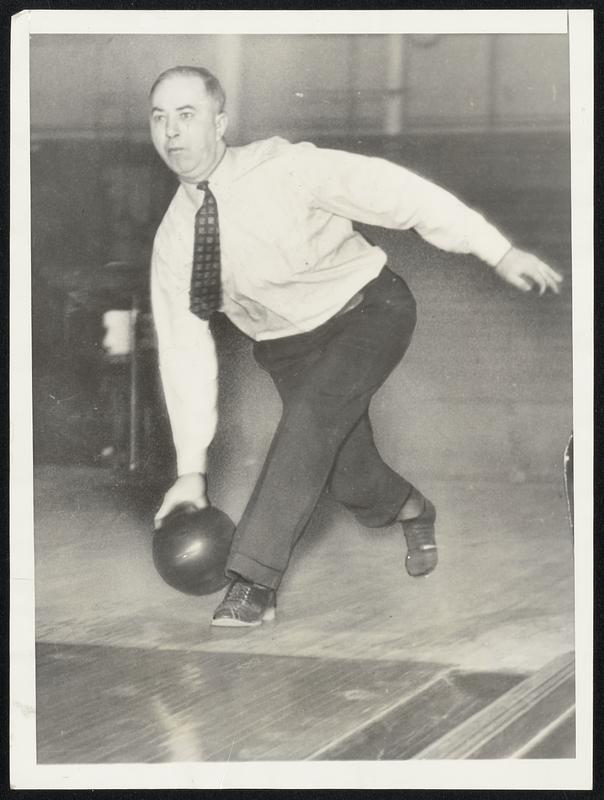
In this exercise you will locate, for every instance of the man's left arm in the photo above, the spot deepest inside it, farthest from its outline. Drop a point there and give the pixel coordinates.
(379, 192)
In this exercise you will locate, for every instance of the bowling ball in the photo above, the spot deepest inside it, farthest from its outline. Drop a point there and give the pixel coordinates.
(191, 548)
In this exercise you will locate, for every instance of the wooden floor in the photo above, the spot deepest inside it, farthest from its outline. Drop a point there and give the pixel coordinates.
(177, 706)
(362, 663)
(500, 599)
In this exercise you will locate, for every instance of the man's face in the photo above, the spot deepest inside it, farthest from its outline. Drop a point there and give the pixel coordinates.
(186, 128)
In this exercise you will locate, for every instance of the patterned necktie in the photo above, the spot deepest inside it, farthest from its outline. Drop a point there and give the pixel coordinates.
(206, 290)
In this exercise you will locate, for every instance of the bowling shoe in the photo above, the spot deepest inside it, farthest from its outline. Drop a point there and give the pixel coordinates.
(245, 603)
(422, 555)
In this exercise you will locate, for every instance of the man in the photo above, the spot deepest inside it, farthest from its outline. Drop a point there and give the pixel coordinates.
(263, 233)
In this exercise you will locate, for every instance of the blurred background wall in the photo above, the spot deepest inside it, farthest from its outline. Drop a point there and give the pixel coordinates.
(484, 115)
(90, 133)
(305, 85)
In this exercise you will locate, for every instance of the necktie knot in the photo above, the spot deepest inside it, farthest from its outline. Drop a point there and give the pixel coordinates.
(203, 186)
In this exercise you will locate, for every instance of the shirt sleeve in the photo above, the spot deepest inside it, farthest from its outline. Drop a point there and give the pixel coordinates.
(379, 192)
(188, 368)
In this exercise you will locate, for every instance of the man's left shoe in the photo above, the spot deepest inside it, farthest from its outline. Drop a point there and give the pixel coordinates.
(245, 604)
(422, 555)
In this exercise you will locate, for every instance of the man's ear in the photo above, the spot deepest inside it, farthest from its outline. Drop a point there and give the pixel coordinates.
(221, 124)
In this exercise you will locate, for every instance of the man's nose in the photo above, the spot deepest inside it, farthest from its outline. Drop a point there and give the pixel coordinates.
(172, 128)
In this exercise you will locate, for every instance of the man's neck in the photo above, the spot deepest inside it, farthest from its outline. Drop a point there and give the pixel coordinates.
(222, 148)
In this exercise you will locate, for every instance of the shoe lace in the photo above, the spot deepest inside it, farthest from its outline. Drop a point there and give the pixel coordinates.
(421, 537)
(238, 592)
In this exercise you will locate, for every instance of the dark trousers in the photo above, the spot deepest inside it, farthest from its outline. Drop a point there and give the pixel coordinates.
(326, 379)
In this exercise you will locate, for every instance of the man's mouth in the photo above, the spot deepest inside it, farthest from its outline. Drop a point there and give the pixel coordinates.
(175, 149)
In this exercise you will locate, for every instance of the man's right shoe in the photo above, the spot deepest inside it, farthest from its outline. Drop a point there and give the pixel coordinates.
(245, 604)
(422, 555)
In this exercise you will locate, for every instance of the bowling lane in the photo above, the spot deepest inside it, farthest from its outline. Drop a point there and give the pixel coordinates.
(499, 601)
(165, 708)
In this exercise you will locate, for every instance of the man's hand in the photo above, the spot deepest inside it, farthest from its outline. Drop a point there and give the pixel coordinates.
(524, 271)
(189, 488)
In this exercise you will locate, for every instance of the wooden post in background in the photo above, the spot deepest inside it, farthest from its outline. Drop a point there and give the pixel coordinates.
(229, 74)
(395, 85)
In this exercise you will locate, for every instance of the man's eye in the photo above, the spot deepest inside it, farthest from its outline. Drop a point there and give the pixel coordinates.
(159, 117)
(186, 114)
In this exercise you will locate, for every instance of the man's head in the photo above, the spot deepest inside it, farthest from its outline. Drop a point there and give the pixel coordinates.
(188, 121)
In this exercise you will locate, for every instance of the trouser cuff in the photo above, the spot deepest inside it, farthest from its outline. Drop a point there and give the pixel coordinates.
(387, 512)
(252, 570)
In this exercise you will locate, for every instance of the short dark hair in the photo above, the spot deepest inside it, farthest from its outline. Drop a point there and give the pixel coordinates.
(212, 84)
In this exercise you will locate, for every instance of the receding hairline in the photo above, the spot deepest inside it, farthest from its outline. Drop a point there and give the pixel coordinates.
(210, 82)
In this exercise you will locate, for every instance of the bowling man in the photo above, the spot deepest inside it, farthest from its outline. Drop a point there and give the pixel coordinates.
(263, 233)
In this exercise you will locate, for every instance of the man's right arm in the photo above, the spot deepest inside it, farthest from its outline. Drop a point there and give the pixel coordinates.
(188, 368)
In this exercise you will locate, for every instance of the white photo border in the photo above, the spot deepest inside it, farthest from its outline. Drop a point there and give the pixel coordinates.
(520, 774)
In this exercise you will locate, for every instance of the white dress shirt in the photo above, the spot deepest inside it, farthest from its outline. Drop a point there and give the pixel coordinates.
(290, 257)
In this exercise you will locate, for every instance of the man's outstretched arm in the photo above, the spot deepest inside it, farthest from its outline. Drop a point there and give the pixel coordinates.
(188, 368)
(379, 192)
